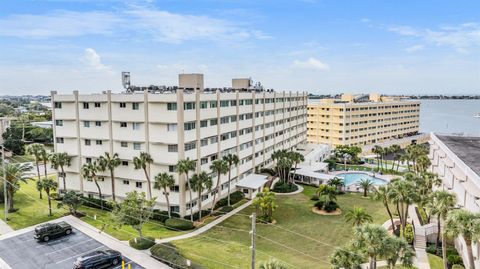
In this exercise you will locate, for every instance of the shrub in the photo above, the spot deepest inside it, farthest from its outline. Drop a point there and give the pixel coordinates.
(314, 197)
(142, 243)
(320, 204)
(330, 206)
(282, 187)
(269, 171)
(226, 209)
(409, 233)
(162, 216)
(168, 254)
(97, 203)
(179, 224)
(196, 215)
(454, 259)
(235, 197)
(457, 266)
(431, 249)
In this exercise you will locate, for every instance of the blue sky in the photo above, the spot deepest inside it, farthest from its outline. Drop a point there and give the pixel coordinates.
(320, 46)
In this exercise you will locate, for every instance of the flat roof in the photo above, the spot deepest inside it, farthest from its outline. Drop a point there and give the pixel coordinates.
(252, 181)
(467, 148)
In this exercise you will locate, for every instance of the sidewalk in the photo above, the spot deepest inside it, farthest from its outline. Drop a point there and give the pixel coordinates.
(206, 227)
(4, 228)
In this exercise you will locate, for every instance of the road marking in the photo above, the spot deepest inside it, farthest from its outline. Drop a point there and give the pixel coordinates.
(120, 266)
(73, 257)
(69, 247)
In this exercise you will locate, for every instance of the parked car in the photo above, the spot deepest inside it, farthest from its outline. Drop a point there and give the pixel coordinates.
(98, 259)
(47, 231)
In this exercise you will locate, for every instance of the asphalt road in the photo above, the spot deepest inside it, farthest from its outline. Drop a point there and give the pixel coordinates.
(24, 252)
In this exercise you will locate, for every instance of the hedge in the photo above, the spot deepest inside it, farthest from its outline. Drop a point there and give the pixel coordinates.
(162, 216)
(282, 187)
(97, 203)
(235, 197)
(168, 254)
(457, 266)
(179, 224)
(205, 212)
(142, 243)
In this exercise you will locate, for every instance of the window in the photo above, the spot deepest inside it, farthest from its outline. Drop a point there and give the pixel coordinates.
(99, 142)
(188, 105)
(138, 184)
(59, 140)
(172, 127)
(203, 104)
(233, 118)
(85, 106)
(224, 120)
(233, 102)
(203, 160)
(87, 142)
(86, 124)
(173, 148)
(189, 125)
(123, 124)
(213, 139)
(203, 123)
(224, 103)
(204, 142)
(126, 182)
(172, 168)
(136, 146)
(175, 188)
(59, 122)
(175, 208)
(224, 137)
(213, 104)
(190, 145)
(88, 160)
(125, 163)
(97, 104)
(136, 126)
(98, 123)
(123, 144)
(123, 105)
(135, 106)
(171, 106)
(58, 105)
(213, 122)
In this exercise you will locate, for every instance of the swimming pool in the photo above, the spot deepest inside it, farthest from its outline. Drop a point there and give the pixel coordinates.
(351, 178)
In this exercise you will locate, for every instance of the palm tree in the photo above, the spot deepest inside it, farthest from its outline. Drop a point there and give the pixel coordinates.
(35, 149)
(165, 181)
(61, 160)
(467, 224)
(358, 216)
(366, 185)
(89, 172)
(328, 193)
(346, 258)
(440, 203)
(232, 160)
(183, 167)
(201, 182)
(272, 264)
(283, 168)
(296, 158)
(44, 157)
(381, 194)
(398, 249)
(403, 193)
(337, 183)
(370, 239)
(142, 162)
(110, 162)
(49, 185)
(220, 167)
(378, 150)
(14, 173)
(395, 149)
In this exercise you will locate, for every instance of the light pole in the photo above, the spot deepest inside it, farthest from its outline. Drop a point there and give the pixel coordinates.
(4, 184)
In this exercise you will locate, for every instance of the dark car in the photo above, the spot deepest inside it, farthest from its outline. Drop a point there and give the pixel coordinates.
(98, 259)
(47, 231)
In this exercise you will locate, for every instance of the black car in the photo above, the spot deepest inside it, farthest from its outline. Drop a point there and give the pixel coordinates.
(47, 231)
(98, 259)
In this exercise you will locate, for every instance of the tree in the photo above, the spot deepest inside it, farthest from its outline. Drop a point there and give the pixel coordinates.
(403, 193)
(327, 193)
(35, 149)
(72, 200)
(284, 165)
(135, 210)
(89, 172)
(467, 224)
(44, 156)
(272, 264)
(265, 202)
(200, 182)
(14, 173)
(370, 239)
(381, 194)
(232, 160)
(358, 216)
(366, 185)
(395, 149)
(165, 181)
(378, 151)
(110, 162)
(61, 160)
(142, 162)
(296, 158)
(49, 185)
(337, 183)
(347, 258)
(440, 203)
(398, 249)
(220, 167)
(184, 167)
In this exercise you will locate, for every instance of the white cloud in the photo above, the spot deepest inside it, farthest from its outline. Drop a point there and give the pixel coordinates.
(92, 60)
(403, 30)
(415, 48)
(311, 63)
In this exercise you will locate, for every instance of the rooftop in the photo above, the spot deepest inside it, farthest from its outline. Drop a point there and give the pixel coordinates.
(467, 148)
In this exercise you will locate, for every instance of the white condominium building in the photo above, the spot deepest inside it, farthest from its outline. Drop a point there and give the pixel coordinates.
(172, 124)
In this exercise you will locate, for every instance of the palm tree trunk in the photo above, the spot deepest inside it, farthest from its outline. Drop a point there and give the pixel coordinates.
(438, 235)
(390, 215)
(149, 185)
(444, 252)
(64, 181)
(371, 262)
(190, 192)
(228, 192)
(294, 174)
(199, 205)
(216, 190)
(45, 167)
(49, 203)
(10, 199)
(471, 262)
(38, 173)
(112, 178)
(168, 203)
(99, 190)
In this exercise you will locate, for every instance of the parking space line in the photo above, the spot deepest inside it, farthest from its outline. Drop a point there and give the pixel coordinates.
(118, 267)
(58, 250)
(73, 257)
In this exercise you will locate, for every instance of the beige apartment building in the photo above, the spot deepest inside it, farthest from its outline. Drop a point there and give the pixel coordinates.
(172, 124)
(361, 120)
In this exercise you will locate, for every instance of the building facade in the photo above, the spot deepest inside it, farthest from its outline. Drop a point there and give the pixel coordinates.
(186, 122)
(361, 120)
(455, 160)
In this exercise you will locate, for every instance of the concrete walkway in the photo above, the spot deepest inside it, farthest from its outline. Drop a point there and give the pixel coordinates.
(4, 228)
(206, 227)
(422, 259)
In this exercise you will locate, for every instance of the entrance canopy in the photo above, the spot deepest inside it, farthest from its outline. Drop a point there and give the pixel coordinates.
(252, 181)
(314, 175)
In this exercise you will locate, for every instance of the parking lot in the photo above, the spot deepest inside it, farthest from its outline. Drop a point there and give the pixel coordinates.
(24, 252)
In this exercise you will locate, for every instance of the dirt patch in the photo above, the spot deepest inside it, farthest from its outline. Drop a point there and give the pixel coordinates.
(337, 212)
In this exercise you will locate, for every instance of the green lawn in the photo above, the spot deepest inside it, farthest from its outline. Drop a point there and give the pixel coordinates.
(33, 211)
(435, 261)
(294, 213)
(22, 158)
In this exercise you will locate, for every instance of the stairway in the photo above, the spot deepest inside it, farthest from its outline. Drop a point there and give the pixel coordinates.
(420, 241)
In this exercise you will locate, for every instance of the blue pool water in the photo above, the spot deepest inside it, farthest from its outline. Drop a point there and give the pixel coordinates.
(350, 178)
